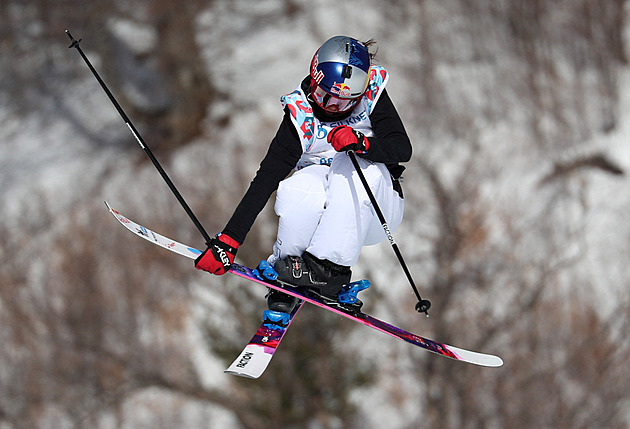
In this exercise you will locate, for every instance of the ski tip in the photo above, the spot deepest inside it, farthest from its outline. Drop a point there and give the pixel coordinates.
(476, 358)
(491, 361)
(111, 210)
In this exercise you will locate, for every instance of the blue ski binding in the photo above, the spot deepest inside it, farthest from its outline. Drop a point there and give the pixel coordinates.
(276, 319)
(265, 271)
(348, 294)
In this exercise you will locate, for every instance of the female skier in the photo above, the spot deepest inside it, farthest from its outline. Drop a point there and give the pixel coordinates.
(325, 215)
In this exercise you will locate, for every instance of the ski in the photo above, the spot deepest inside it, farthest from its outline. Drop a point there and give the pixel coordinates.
(257, 354)
(441, 349)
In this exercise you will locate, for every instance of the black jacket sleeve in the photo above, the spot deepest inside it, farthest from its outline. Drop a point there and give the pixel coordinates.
(390, 143)
(282, 156)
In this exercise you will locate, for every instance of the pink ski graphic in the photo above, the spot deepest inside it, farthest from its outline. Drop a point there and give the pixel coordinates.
(257, 354)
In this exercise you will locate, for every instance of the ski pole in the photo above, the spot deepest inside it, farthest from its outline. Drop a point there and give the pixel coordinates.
(423, 305)
(138, 137)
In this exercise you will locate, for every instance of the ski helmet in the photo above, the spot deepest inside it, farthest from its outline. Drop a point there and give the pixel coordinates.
(339, 74)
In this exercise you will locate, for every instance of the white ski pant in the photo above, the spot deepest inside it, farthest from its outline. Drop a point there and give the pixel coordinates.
(327, 212)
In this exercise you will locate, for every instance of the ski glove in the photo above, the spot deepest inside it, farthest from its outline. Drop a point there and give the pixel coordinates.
(219, 256)
(344, 138)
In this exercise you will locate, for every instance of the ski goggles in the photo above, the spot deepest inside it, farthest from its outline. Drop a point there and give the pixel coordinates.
(333, 104)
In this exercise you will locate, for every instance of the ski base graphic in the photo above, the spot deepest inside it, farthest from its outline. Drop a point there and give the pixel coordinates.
(256, 355)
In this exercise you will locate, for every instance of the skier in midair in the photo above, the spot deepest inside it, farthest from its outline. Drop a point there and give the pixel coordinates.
(325, 215)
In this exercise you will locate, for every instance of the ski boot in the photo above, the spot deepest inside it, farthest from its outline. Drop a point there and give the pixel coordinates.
(276, 300)
(323, 280)
(309, 272)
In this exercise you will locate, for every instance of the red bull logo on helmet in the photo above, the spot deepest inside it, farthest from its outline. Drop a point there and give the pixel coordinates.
(340, 89)
(316, 74)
